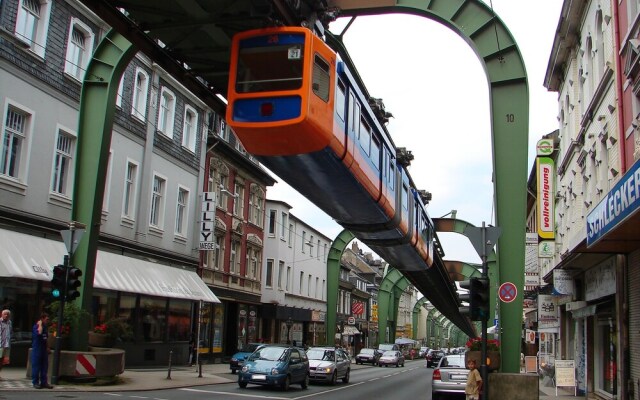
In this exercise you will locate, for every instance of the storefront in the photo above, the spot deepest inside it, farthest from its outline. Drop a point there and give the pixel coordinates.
(156, 301)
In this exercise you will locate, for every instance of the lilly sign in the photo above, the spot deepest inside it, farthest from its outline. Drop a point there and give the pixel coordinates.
(622, 201)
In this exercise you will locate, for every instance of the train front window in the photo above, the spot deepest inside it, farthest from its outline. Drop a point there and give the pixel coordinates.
(270, 63)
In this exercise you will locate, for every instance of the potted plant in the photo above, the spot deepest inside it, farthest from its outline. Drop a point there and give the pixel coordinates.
(474, 352)
(70, 318)
(106, 334)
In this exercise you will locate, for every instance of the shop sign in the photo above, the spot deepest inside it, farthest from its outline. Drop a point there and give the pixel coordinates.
(545, 199)
(600, 281)
(208, 221)
(563, 282)
(621, 202)
(546, 249)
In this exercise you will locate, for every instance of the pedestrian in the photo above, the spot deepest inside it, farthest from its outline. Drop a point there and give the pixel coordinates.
(40, 353)
(192, 349)
(474, 382)
(6, 328)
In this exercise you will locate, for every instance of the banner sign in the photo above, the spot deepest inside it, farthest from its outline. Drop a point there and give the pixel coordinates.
(562, 282)
(208, 223)
(622, 201)
(545, 199)
(547, 310)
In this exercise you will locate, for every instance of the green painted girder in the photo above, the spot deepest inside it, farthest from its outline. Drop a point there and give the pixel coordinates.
(460, 270)
(489, 38)
(333, 280)
(97, 108)
(414, 316)
(391, 288)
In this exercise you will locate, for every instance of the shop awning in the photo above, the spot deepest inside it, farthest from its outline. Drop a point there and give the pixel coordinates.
(127, 274)
(33, 257)
(350, 330)
(28, 256)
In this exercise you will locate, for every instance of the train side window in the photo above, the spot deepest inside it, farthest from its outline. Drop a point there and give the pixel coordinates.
(340, 99)
(375, 151)
(320, 79)
(355, 116)
(365, 136)
(392, 174)
(405, 197)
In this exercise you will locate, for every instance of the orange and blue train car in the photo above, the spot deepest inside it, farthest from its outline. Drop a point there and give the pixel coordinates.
(296, 106)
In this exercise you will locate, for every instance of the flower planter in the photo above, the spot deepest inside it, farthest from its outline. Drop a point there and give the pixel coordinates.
(493, 359)
(51, 342)
(100, 340)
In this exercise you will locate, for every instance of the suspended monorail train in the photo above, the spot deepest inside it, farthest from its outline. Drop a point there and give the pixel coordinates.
(297, 107)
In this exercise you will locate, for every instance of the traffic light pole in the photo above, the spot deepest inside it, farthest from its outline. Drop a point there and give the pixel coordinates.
(58, 341)
(484, 371)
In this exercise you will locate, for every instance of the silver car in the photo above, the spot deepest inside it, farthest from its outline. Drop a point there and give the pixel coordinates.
(391, 357)
(328, 364)
(449, 376)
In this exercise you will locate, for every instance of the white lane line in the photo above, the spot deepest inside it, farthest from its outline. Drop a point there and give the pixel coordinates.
(351, 385)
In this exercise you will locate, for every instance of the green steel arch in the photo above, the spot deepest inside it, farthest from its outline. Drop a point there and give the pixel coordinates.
(502, 61)
(97, 108)
(473, 20)
(415, 315)
(333, 279)
(391, 288)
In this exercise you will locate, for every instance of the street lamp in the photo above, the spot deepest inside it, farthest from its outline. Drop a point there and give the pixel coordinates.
(289, 324)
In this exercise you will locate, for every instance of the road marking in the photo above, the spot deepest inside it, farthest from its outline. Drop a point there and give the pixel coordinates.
(233, 394)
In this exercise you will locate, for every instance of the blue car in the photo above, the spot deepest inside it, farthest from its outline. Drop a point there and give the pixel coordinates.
(237, 360)
(275, 365)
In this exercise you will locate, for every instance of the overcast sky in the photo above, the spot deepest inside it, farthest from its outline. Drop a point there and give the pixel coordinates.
(434, 85)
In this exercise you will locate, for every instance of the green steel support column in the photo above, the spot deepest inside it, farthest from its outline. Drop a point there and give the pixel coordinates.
(333, 277)
(431, 325)
(97, 107)
(414, 317)
(496, 49)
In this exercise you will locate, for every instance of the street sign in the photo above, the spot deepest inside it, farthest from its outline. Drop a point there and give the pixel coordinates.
(71, 239)
(507, 292)
(491, 235)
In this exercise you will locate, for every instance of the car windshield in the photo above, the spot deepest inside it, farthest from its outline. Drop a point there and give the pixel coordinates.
(389, 353)
(249, 347)
(452, 362)
(366, 351)
(321, 354)
(269, 353)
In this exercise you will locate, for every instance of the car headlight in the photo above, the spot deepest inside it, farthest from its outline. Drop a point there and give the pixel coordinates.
(328, 370)
(245, 368)
(234, 359)
(275, 371)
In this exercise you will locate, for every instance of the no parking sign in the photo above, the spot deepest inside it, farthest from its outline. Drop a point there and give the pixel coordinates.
(507, 292)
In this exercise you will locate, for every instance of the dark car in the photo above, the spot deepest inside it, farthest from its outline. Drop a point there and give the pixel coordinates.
(275, 365)
(237, 360)
(368, 355)
(329, 364)
(449, 376)
(433, 357)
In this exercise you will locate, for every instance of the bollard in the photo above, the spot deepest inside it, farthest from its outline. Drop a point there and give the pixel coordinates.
(199, 368)
(169, 371)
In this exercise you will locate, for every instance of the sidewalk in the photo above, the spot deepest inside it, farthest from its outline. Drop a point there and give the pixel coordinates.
(14, 379)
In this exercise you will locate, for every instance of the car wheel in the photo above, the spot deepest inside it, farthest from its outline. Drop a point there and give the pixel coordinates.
(305, 382)
(346, 377)
(379, 365)
(242, 384)
(334, 378)
(286, 383)
(434, 396)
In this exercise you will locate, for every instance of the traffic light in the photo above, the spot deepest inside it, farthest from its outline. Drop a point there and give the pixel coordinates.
(73, 283)
(478, 298)
(58, 281)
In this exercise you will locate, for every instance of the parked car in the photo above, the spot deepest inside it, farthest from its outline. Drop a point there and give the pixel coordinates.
(433, 357)
(449, 376)
(368, 355)
(382, 347)
(391, 357)
(328, 364)
(237, 360)
(275, 365)
(423, 352)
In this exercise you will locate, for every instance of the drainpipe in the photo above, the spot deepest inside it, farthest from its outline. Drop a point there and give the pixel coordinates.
(619, 92)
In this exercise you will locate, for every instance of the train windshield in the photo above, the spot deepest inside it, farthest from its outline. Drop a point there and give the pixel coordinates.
(270, 63)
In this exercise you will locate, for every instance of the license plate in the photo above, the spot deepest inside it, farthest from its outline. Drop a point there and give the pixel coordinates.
(259, 377)
(461, 377)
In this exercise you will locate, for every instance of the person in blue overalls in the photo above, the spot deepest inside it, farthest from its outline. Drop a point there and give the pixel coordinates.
(40, 353)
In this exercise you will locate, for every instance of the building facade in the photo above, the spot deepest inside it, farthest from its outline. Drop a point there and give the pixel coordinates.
(152, 189)
(588, 280)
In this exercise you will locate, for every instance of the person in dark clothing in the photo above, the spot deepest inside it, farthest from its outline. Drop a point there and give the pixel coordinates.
(40, 353)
